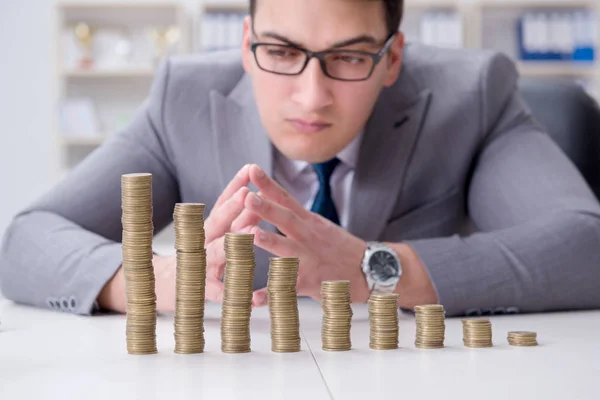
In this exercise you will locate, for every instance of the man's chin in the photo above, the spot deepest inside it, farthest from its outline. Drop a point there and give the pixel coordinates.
(303, 148)
(315, 155)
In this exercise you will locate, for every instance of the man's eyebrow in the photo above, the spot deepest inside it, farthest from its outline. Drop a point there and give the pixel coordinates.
(348, 42)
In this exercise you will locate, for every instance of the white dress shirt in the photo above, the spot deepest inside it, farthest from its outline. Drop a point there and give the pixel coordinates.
(301, 181)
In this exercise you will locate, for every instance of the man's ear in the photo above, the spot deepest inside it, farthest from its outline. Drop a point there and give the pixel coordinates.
(246, 51)
(394, 60)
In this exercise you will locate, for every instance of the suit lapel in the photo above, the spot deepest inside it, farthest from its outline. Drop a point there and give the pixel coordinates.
(239, 134)
(385, 154)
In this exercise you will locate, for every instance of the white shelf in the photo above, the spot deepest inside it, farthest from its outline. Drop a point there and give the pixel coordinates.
(108, 73)
(520, 4)
(557, 69)
(83, 141)
(117, 4)
(424, 5)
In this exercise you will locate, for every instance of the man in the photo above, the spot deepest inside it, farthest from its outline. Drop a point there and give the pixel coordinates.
(353, 138)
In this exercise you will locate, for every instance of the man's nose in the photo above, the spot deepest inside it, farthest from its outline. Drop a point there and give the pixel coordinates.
(312, 90)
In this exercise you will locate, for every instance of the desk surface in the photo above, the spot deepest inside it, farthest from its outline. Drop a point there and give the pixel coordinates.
(47, 354)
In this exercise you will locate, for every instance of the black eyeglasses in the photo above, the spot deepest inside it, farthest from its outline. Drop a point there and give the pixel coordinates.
(342, 65)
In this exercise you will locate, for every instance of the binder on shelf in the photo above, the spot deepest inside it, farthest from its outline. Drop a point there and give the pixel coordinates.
(440, 28)
(557, 36)
(221, 30)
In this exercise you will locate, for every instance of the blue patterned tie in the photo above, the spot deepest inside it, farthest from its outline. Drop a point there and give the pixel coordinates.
(323, 203)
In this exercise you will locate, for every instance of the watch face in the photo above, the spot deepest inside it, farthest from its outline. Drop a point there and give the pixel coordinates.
(383, 266)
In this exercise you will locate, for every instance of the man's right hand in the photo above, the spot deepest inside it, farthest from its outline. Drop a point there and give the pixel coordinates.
(227, 215)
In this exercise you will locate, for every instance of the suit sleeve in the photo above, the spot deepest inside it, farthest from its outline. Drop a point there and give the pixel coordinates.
(66, 246)
(537, 246)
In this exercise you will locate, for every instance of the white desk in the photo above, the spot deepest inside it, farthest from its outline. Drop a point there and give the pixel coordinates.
(46, 354)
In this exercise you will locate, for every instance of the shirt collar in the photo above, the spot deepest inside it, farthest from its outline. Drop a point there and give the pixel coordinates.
(294, 168)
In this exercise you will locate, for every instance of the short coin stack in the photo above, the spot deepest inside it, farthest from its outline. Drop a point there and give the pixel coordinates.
(431, 326)
(283, 305)
(477, 332)
(383, 318)
(138, 229)
(337, 315)
(191, 278)
(237, 296)
(521, 338)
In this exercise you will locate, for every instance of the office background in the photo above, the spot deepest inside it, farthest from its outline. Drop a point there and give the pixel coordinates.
(72, 73)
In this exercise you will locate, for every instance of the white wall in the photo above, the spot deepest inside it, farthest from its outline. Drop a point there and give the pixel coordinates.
(28, 153)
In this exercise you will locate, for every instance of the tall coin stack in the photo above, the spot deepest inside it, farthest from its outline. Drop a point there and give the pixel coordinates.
(477, 332)
(237, 295)
(383, 319)
(191, 278)
(337, 315)
(431, 326)
(283, 305)
(138, 229)
(521, 338)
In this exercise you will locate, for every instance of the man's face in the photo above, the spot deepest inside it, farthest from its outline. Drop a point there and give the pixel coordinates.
(310, 116)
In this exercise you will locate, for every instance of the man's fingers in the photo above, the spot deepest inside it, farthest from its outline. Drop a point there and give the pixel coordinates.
(219, 221)
(273, 191)
(274, 243)
(283, 218)
(246, 218)
(260, 298)
(214, 290)
(242, 178)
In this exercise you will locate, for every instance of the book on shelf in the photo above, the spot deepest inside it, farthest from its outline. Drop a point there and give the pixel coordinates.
(221, 30)
(442, 29)
(557, 36)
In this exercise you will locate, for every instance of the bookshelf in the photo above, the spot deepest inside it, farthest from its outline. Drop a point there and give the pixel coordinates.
(117, 88)
(107, 53)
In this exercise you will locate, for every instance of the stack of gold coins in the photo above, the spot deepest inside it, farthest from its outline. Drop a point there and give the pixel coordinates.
(477, 332)
(522, 338)
(138, 230)
(191, 278)
(283, 305)
(237, 296)
(383, 319)
(337, 315)
(431, 326)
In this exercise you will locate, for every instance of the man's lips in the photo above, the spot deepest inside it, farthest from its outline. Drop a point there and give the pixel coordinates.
(307, 126)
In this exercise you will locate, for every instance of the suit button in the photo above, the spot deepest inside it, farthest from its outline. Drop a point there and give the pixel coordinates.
(50, 303)
(65, 303)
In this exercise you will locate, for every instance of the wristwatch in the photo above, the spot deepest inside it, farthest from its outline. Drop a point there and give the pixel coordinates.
(381, 267)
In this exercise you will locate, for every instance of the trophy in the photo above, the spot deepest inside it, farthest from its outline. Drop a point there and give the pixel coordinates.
(85, 38)
(164, 40)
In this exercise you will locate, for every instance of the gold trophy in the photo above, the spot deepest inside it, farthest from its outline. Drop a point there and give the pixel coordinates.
(85, 37)
(164, 40)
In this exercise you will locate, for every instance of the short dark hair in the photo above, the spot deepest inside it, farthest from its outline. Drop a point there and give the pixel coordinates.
(393, 13)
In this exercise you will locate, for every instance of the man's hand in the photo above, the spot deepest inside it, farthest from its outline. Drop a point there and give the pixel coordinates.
(226, 216)
(326, 251)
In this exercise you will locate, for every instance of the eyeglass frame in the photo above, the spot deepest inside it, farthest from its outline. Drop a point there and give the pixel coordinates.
(320, 55)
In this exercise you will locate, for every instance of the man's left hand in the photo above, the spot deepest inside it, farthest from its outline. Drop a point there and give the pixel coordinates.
(325, 250)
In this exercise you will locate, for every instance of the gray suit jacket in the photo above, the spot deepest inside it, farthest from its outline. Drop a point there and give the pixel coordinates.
(449, 149)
